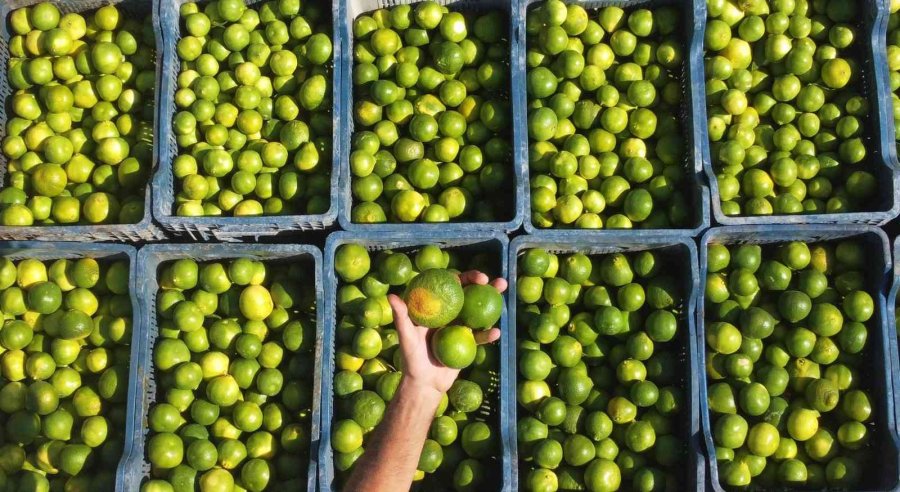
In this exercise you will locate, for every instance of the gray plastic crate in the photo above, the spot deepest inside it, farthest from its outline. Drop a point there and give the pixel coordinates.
(134, 467)
(879, 341)
(891, 305)
(377, 241)
(349, 11)
(223, 228)
(693, 102)
(145, 230)
(678, 248)
(881, 150)
(50, 250)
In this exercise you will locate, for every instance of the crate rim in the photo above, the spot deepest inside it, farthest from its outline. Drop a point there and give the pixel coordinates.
(891, 306)
(789, 232)
(410, 239)
(130, 473)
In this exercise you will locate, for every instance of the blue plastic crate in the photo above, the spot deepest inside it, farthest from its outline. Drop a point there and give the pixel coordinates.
(167, 22)
(376, 241)
(52, 250)
(134, 466)
(681, 250)
(145, 230)
(892, 331)
(878, 131)
(349, 11)
(886, 95)
(691, 118)
(879, 342)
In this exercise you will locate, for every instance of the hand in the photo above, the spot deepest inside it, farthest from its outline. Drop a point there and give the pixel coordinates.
(420, 366)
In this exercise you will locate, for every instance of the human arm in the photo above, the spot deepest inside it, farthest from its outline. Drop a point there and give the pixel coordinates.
(392, 455)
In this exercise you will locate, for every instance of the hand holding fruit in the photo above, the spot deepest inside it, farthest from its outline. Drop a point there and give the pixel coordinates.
(421, 345)
(388, 372)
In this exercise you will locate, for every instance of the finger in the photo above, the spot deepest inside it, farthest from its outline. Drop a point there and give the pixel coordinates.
(487, 336)
(473, 277)
(410, 335)
(401, 315)
(500, 284)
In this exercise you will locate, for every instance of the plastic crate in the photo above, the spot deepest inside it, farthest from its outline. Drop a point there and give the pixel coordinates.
(145, 230)
(349, 11)
(134, 466)
(693, 101)
(377, 241)
(680, 248)
(52, 250)
(885, 94)
(222, 228)
(892, 330)
(878, 131)
(879, 342)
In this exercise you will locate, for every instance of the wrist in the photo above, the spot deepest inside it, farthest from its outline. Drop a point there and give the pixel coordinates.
(421, 392)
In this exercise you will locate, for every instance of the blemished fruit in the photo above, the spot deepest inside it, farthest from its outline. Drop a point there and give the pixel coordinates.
(64, 359)
(463, 447)
(434, 298)
(601, 376)
(233, 364)
(432, 138)
(79, 137)
(606, 142)
(788, 123)
(786, 357)
(253, 100)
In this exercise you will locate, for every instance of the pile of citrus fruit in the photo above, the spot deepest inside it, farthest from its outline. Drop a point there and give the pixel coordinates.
(233, 365)
(64, 357)
(253, 109)
(432, 139)
(893, 60)
(601, 387)
(463, 445)
(79, 139)
(786, 362)
(604, 89)
(786, 114)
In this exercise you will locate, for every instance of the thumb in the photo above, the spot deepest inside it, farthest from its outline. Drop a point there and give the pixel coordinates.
(405, 327)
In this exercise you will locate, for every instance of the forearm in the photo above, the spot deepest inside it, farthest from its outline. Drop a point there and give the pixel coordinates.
(391, 457)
